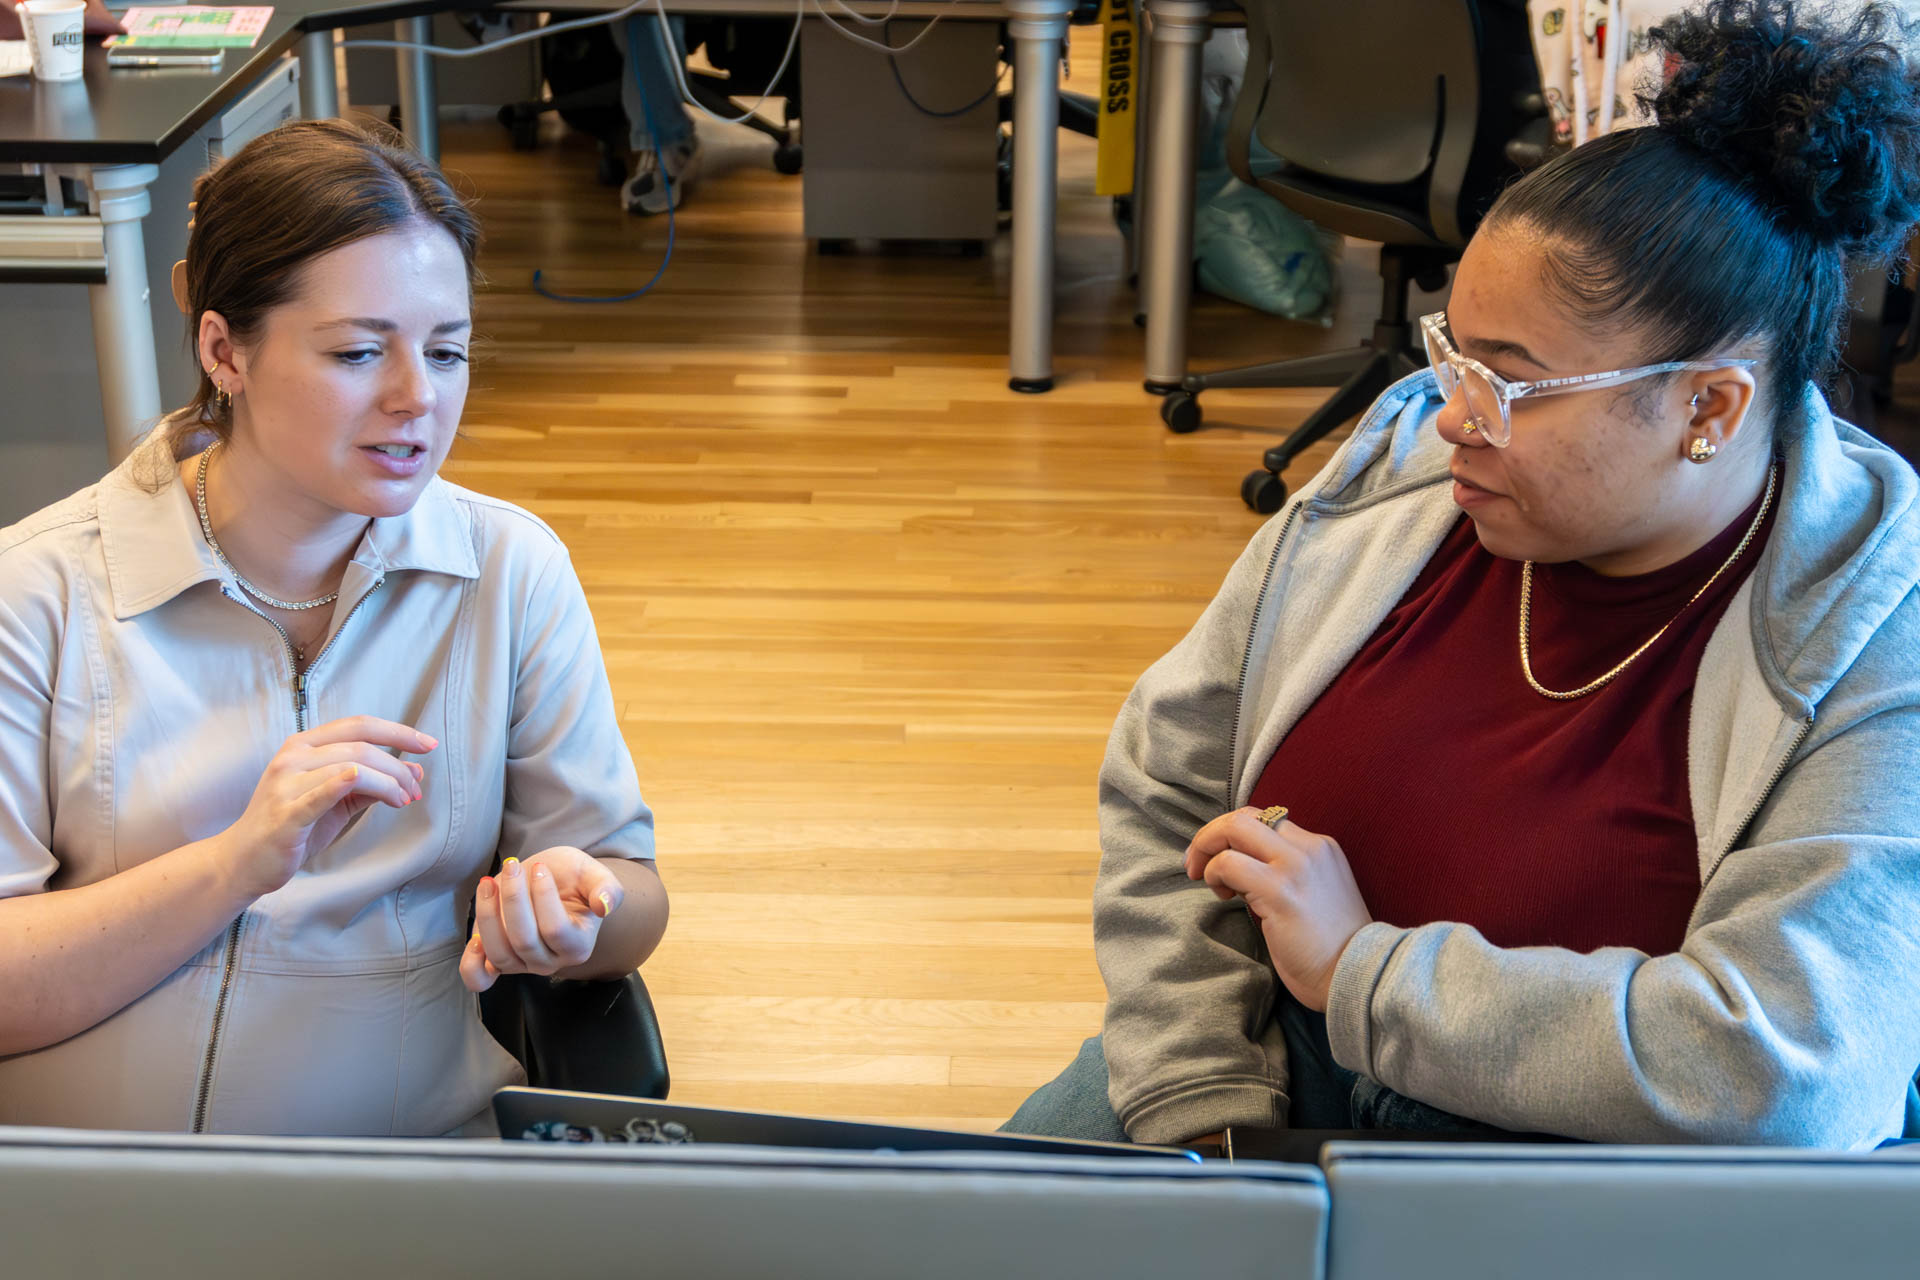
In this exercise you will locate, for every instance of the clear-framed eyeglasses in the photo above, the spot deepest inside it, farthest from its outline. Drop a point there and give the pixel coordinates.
(1490, 397)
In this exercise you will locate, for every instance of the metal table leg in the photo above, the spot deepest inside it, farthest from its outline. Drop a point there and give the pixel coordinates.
(419, 95)
(122, 320)
(1037, 27)
(1180, 28)
(319, 83)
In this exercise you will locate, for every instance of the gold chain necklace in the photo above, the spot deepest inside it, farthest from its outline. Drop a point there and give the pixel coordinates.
(206, 531)
(1526, 609)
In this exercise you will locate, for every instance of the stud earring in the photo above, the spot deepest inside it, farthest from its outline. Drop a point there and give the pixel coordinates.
(1701, 450)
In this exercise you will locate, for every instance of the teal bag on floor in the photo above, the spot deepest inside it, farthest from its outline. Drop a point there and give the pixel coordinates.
(1247, 246)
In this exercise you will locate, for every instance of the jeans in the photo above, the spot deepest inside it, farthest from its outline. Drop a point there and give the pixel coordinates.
(1322, 1094)
(647, 69)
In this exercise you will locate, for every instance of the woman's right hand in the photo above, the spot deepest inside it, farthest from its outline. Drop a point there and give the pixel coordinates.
(316, 784)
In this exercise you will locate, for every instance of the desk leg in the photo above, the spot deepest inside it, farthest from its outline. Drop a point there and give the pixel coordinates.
(319, 83)
(1165, 216)
(419, 95)
(122, 318)
(1038, 27)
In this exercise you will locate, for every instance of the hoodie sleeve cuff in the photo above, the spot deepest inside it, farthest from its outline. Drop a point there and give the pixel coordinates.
(1207, 1108)
(1350, 997)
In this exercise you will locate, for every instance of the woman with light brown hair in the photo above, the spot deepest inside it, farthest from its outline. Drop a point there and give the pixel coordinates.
(274, 698)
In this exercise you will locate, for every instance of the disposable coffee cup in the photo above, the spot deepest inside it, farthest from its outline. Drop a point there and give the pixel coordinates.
(57, 29)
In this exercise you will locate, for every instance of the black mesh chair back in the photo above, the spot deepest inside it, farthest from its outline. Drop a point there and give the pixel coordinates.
(1376, 108)
(1391, 121)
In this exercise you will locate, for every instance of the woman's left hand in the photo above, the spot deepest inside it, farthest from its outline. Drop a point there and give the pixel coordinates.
(1297, 884)
(538, 916)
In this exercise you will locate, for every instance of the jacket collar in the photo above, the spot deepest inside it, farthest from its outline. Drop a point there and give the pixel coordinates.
(1843, 554)
(150, 533)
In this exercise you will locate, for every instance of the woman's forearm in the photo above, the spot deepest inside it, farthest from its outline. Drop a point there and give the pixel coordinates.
(630, 934)
(71, 958)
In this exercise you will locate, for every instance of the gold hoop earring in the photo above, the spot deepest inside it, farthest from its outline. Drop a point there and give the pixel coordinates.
(1701, 450)
(222, 398)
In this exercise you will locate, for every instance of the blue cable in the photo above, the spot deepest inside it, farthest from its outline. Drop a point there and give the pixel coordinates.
(660, 163)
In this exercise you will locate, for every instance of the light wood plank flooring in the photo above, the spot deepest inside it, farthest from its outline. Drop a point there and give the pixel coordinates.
(868, 614)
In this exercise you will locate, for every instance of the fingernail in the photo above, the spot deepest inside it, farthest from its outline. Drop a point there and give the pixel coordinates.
(429, 742)
(474, 941)
(510, 868)
(486, 886)
(606, 903)
(539, 873)
(353, 772)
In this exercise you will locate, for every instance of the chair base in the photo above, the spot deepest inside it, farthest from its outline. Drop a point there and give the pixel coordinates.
(1378, 370)
(1361, 374)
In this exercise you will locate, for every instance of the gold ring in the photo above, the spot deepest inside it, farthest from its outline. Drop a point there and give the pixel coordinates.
(1470, 428)
(1274, 815)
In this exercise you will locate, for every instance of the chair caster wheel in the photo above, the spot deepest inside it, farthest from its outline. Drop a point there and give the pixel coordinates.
(788, 158)
(1263, 491)
(1180, 410)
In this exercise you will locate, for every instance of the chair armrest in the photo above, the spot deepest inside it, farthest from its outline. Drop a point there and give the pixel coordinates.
(591, 1037)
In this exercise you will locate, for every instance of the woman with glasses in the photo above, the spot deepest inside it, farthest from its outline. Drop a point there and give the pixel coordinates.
(1548, 763)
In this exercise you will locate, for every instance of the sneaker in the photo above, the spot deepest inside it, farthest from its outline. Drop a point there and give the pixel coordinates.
(645, 192)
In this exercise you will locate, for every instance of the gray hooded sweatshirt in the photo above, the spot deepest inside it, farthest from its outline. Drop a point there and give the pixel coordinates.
(1791, 1012)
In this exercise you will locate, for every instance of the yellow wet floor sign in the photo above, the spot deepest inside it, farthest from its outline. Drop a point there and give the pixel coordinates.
(1119, 98)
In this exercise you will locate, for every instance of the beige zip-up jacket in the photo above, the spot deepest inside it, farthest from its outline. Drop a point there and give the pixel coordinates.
(141, 697)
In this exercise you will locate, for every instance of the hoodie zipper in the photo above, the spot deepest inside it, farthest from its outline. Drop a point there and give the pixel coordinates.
(205, 1095)
(1246, 658)
(1766, 792)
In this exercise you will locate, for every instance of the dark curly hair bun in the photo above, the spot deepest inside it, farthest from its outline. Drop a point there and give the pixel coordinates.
(1816, 106)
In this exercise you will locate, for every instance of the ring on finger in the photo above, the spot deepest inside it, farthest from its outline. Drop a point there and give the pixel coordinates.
(1273, 815)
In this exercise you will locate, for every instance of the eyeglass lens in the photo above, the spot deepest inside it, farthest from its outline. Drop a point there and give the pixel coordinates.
(1483, 404)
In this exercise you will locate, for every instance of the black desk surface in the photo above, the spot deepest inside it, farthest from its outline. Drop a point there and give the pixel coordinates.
(137, 115)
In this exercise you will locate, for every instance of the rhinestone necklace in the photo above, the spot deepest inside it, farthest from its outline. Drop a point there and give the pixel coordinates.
(206, 528)
(1526, 609)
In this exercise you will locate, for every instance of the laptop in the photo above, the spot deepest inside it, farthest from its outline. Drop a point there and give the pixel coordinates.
(557, 1115)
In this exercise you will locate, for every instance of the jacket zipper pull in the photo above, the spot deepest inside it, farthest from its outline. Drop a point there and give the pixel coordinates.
(300, 693)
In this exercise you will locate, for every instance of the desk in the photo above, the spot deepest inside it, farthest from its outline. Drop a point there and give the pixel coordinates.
(111, 129)
(1038, 29)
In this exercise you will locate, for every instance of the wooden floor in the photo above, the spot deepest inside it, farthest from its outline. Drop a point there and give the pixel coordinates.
(868, 614)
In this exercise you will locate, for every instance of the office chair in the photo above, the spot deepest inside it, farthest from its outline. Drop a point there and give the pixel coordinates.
(1392, 123)
(591, 1037)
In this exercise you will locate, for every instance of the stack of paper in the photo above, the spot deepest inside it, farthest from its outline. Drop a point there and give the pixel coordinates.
(192, 26)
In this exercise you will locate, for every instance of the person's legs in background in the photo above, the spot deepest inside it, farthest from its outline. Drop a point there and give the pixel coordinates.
(649, 92)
